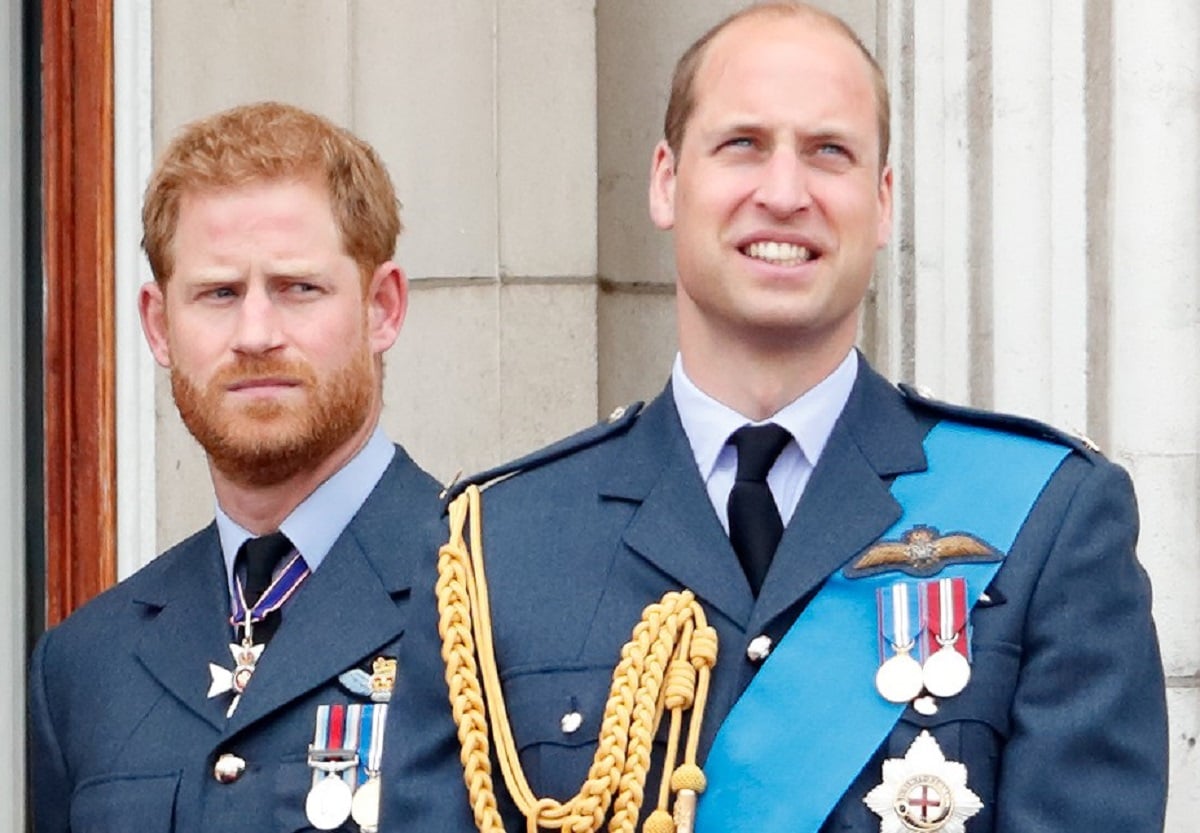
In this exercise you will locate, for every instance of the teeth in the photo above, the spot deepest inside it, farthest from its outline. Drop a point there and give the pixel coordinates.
(782, 254)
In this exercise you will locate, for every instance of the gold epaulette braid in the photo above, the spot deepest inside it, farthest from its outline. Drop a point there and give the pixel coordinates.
(665, 665)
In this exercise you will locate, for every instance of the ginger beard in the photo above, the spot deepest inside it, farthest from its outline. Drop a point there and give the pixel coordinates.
(266, 442)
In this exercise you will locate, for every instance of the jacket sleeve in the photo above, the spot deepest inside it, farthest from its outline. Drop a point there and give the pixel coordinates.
(51, 783)
(1088, 749)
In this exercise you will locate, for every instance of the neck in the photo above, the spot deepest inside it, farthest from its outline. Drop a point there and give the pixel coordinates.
(754, 379)
(261, 509)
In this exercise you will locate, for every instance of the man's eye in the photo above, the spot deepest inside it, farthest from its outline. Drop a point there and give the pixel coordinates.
(221, 293)
(739, 142)
(833, 149)
(302, 288)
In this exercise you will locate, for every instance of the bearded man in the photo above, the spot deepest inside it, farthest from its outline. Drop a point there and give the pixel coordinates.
(160, 705)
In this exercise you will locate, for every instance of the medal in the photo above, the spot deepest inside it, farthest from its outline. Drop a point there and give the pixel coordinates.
(246, 654)
(923, 792)
(328, 804)
(333, 757)
(365, 809)
(947, 669)
(946, 672)
(899, 677)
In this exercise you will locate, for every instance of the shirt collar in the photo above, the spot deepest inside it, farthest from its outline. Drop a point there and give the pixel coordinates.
(809, 418)
(319, 520)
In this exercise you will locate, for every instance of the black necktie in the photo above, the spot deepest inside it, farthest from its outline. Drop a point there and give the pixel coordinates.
(261, 556)
(754, 523)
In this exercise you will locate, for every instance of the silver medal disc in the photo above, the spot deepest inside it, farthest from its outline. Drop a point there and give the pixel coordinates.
(328, 803)
(366, 806)
(899, 680)
(947, 672)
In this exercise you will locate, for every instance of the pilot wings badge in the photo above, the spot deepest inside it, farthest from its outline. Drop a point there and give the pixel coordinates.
(377, 685)
(922, 552)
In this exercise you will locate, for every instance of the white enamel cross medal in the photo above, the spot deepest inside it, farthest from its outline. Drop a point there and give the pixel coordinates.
(245, 658)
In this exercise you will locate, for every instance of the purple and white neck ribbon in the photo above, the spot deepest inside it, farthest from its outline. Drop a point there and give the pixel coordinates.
(282, 588)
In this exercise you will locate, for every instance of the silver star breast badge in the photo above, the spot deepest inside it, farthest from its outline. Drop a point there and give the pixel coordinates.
(923, 792)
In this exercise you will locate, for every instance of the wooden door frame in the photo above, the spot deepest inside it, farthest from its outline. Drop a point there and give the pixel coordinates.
(79, 370)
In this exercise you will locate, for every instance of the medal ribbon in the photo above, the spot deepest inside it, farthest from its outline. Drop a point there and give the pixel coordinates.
(350, 742)
(945, 603)
(370, 743)
(282, 588)
(899, 609)
(783, 727)
(336, 731)
(364, 741)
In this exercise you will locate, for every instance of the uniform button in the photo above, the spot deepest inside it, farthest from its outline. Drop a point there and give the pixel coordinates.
(616, 414)
(228, 768)
(759, 648)
(926, 705)
(570, 723)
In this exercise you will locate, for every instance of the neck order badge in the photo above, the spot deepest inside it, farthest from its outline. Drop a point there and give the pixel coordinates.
(246, 653)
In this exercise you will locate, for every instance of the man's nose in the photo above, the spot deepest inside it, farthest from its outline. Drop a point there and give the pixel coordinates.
(258, 328)
(784, 188)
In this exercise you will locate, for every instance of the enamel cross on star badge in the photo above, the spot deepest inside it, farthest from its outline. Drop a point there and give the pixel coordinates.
(923, 792)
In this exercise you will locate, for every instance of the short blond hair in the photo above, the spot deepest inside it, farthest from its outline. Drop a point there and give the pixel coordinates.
(270, 141)
(683, 82)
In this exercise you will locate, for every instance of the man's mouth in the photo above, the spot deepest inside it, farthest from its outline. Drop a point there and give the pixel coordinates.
(261, 383)
(778, 253)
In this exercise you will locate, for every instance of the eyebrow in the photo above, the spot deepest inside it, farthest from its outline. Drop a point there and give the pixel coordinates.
(740, 126)
(213, 275)
(291, 269)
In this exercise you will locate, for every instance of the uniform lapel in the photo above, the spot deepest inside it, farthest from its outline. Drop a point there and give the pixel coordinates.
(340, 616)
(847, 503)
(675, 527)
(353, 605)
(187, 626)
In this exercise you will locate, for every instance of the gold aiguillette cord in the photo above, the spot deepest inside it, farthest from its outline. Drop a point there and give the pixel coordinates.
(666, 664)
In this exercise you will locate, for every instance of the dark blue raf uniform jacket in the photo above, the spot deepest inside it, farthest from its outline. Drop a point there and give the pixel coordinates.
(124, 737)
(1063, 725)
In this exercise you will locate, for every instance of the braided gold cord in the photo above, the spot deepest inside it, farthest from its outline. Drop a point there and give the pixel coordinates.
(665, 665)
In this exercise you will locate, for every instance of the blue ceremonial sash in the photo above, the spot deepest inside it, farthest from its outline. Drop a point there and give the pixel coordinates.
(811, 718)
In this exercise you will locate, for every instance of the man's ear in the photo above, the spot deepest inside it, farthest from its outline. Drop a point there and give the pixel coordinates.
(885, 208)
(662, 187)
(152, 310)
(387, 303)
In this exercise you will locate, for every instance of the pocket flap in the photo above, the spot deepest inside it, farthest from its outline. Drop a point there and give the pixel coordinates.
(123, 802)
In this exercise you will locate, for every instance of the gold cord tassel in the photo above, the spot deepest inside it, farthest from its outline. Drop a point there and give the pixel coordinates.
(666, 664)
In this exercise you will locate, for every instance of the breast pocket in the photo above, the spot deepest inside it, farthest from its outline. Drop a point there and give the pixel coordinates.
(556, 717)
(973, 727)
(293, 780)
(121, 803)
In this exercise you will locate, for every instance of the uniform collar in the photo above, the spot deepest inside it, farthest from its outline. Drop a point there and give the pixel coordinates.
(320, 519)
(809, 418)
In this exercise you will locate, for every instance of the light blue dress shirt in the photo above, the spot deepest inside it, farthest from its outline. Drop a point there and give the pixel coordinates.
(316, 523)
(809, 419)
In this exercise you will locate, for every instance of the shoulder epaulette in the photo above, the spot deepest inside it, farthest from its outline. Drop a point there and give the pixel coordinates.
(618, 422)
(1005, 422)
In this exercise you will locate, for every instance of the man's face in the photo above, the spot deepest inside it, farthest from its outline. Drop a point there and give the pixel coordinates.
(777, 200)
(269, 335)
